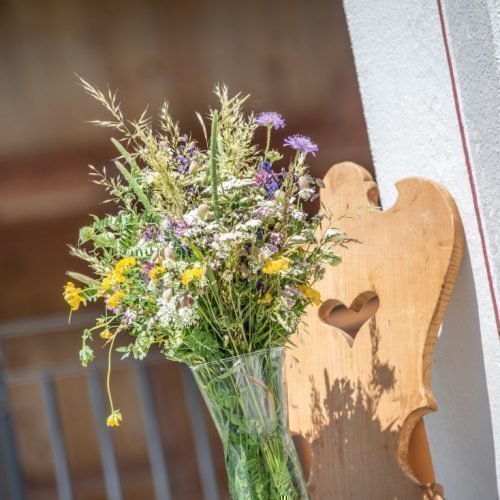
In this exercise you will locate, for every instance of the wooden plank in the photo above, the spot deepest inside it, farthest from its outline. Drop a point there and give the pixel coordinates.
(361, 385)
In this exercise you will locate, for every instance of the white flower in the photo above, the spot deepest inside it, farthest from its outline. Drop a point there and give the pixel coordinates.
(297, 214)
(177, 313)
(306, 194)
(298, 239)
(150, 176)
(332, 233)
(231, 235)
(196, 215)
(235, 183)
(252, 223)
(142, 344)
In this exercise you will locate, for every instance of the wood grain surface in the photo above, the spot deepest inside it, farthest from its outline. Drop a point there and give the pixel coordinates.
(360, 377)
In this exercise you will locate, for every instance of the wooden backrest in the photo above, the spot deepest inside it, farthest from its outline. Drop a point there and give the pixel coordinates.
(358, 399)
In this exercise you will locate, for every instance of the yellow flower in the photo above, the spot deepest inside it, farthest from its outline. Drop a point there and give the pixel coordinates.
(156, 273)
(311, 293)
(117, 276)
(266, 299)
(114, 301)
(275, 266)
(123, 265)
(72, 295)
(114, 419)
(106, 334)
(110, 281)
(191, 274)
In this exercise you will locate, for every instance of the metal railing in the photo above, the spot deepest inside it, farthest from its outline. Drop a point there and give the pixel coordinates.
(11, 474)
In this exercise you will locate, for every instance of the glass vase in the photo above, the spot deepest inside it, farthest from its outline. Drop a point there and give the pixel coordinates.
(246, 397)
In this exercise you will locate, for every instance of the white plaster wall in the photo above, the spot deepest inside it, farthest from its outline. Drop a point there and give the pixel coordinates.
(413, 128)
(473, 28)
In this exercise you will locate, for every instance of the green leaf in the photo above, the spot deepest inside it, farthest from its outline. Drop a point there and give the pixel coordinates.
(130, 176)
(134, 185)
(128, 158)
(213, 166)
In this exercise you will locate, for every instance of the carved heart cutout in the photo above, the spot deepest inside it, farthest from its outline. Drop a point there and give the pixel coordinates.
(349, 320)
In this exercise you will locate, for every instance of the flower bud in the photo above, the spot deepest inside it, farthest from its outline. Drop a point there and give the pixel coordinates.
(279, 195)
(303, 182)
(168, 253)
(202, 211)
(244, 271)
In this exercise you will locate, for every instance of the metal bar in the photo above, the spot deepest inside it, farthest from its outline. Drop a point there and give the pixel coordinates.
(203, 449)
(48, 323)
(108, 458)
(153, 437)
(56, 438)
(11, 486)
(66, 370)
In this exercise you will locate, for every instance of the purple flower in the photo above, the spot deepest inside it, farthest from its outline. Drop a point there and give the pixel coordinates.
(270, 119)
(146, 268)
(177, 226)
(301, 143)
(270, 249)
(267, 180)
(272, 186)
(129, 316)
(262, 212)
(260, 178)
(266, 166)
(275, 238)
(184, 154)
(149, 233)
(290, 296)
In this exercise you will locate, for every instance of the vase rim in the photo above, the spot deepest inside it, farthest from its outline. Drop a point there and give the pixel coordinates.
(239, 356)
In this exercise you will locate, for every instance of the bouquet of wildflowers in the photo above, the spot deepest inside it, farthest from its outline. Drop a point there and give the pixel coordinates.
(210, 254)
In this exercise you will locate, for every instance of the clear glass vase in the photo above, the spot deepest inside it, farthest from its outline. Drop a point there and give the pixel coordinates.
(246, 396)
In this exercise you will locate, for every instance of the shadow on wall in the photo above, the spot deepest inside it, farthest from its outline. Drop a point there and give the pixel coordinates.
(460, 432)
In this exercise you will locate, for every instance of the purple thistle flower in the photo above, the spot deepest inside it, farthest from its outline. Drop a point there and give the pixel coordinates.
(301, 143)
(270, 119)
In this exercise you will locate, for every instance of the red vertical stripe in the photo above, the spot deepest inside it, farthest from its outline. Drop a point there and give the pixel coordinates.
(468, 163)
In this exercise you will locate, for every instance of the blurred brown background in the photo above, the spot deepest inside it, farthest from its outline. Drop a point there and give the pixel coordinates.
(293, 56)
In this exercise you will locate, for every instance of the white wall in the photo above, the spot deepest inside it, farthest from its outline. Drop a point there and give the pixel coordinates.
(414, 123)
